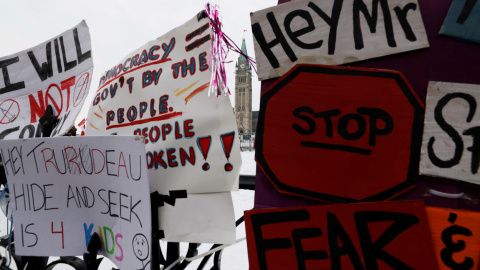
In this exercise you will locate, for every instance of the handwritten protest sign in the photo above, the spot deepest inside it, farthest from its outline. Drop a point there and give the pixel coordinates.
(65, 189)
(160, 91)
(462, 20)
(57, 73)
(340, 134)
(455, 235)
(451, 145)
(333, 32)
(384, 235)
(419, 67)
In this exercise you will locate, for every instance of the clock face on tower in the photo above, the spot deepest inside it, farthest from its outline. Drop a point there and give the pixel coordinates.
(242, 66)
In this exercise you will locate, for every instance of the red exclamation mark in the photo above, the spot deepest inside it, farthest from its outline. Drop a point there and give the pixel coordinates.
(204, 145)
(227, 144)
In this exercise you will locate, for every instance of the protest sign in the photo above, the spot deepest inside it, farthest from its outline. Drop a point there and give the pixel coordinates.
(340, 134)
(451, 145)
(462, 20)
(65, 189)
(333, 32)
(455, 235)
(160, 91)
(383, 235)
(419, 67)
(57, 73)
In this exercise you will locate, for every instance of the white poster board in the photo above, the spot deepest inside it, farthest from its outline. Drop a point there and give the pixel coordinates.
(57, 72)
(65, 189)
(451, 136)
(160, 91)
(333, 32)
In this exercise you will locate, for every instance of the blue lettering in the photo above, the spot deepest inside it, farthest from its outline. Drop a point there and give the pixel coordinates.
(150, 53)
(168, 48)
(190, 67)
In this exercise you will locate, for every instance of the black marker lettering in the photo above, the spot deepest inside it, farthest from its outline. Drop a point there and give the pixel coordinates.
(6, 78)
(374, 115)
(302, 256)
(466, 10)
(7, 131)
(359, 6)
(57, 56)
(66, 64)
(336, 233)
(34, 156)
(475, 148)
(331, 21)
(402, 18)
(456, 138)
(452, 247)
(293, 35)
(80, 56)
(298, 112)
(264, 245)
(328, 121)
(109, 162)
(343, 123)
(374, 250)
(267, 46)
(44, 71)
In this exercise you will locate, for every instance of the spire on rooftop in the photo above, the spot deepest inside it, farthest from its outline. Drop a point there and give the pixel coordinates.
(244, 51)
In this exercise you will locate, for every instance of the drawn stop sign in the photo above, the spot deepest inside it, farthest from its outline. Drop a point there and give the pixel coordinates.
(340, 134)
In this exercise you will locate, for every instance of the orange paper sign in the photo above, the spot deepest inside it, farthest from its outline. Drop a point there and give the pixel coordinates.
(456, 237)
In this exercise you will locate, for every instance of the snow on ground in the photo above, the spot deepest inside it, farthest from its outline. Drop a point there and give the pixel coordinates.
(233, 258)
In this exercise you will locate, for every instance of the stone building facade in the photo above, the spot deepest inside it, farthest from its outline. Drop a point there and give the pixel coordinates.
(244, 116)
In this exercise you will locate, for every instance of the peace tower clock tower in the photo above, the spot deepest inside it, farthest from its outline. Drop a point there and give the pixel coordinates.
(243, 93)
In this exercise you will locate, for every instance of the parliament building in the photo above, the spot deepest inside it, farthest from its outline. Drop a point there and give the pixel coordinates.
(245, 117)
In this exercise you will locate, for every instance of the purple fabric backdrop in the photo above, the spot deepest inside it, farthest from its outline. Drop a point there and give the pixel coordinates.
(448, 60)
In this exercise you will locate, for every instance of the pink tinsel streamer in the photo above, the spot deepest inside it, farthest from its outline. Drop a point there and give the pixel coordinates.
(221, 45)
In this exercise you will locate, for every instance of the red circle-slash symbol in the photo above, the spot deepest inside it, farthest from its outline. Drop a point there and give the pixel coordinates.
(9, 111)
(80, 89)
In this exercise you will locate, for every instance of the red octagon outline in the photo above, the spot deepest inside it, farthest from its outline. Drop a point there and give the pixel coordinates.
(416, 131)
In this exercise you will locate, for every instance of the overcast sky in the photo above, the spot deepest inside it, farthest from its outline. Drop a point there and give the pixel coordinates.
(119, 27)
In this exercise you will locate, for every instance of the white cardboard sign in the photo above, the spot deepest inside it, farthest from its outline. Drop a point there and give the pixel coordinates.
(57, 72)
(333, 32)
(451, 137)
(160, 91)
(65, 189)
